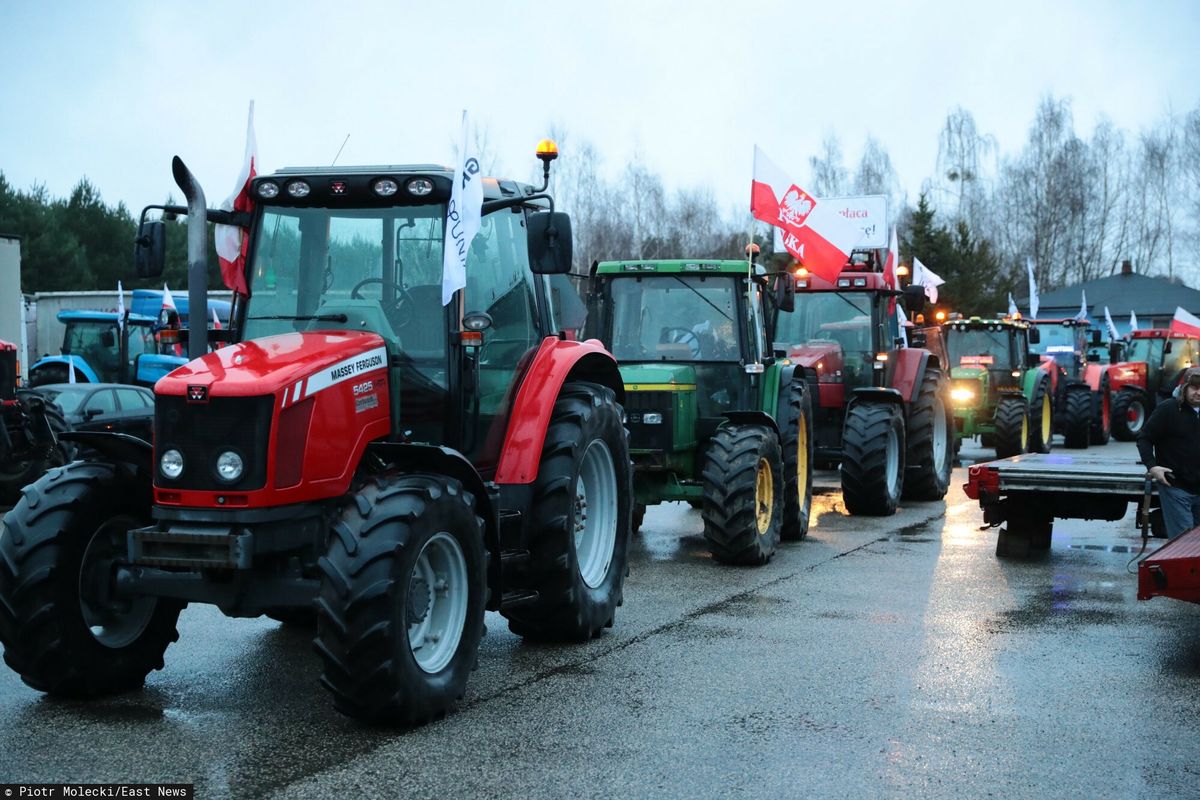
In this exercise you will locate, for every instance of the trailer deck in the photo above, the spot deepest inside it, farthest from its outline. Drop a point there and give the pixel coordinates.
(1173, 570)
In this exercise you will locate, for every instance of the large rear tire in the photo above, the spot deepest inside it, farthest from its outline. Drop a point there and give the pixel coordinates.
(53, 373)
(64, 631)
(1077, 403)
(797, 464)
(403, 589)
(743, 494)
(44, 454)
(580, 519)
(1012, 427)
(1041, 418)
(930, 452)
(1129, 413)
(873, 459)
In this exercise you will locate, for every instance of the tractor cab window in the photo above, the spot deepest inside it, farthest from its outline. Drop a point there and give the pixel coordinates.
(844, 318)
(979, 347)
(675, 318)
(1148, 350)
(1061, 342)
(96, 343)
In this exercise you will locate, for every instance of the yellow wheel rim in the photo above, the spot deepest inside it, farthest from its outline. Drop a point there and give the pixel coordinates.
(1046, 418)
(1024, 433)
(802, 461)
(764, 496)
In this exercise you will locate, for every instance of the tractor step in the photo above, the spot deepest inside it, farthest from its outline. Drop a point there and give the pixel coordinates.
(517, 599)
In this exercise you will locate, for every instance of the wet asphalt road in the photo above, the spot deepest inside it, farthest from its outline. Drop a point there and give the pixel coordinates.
(879, 658)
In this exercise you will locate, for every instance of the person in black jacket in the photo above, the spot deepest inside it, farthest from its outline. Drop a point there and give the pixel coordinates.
(1170, 447)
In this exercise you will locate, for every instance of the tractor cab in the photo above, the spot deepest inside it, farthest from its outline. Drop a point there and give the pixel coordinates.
(98, 349)
(992, 353)
(1066, 341)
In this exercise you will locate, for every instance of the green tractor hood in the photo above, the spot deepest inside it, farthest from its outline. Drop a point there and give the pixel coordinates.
(658, 377)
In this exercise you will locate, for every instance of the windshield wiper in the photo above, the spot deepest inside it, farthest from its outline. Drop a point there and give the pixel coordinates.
(852, 303)
(702, 297)
(318, 317)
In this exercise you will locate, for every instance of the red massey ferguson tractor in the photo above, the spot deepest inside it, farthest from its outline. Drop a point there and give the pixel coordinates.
(1149, 371)
(882, 410)
(358, 454)
(1082, 391)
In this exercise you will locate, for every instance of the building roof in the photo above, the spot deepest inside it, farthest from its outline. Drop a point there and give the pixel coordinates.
(1121, 293)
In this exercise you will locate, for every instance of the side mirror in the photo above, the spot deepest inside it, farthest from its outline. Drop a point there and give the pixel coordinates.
(1035, 336)
(549, 243)
(1167, 347)
(1116, 353)
(917, 338)
(1033, 360)
(785, 292)
(108, 339)
(1095, 337)
(150, 249)
(914, 299)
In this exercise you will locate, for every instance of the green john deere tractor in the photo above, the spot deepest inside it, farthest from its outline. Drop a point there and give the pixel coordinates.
(714, 419)
(1001, 392)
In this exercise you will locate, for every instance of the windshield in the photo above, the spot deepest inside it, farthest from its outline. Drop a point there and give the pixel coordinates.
(675, 318)
(1055, 339)
(1148, 350)
(844, 318)
(310, 262)
(979, 348)
(67, 399)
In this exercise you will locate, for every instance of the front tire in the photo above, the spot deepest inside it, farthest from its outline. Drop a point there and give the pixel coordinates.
(873, 459)
(797, 464)
(929, 454)
(1101, 428)
(64, 631)
(1012, 427)
(403, 588)
(1129, 412)
(743, 494)
(581, 519)
(1041, 418)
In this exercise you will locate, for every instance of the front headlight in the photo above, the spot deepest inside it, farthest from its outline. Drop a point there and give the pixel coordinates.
(171, 464)
(652, 418)
(229, 466)
(962, 395)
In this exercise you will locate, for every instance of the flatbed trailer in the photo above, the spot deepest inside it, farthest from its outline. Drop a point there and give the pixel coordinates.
(1172, 570)
(1026, 493)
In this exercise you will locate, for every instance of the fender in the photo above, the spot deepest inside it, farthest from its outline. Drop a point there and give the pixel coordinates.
(788, 375)
(81, 367)
(1128, 374)
(555, 362)
(908, 368)
(876, 395)
(1018, 393)
(121, 448)
(760, 418)
(446, 461)
(1092, 375)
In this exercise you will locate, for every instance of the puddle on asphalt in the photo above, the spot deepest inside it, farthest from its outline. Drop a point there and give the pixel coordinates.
(1060, 606)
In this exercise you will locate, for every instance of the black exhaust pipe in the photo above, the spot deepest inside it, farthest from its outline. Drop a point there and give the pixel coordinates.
(197, 258)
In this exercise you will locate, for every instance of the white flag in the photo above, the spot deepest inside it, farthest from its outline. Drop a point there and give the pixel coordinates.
(924, 276)
(1132, 322)
(903, 319)
(1033, 295)
(1112, 329)
(71, 366)
(1083, 310)
(1012, 306)
(120, 307)
(168, 300)
(463, 215)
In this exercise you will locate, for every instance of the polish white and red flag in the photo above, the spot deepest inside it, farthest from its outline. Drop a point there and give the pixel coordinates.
(813, 232)
(168, 300)
(232, 240)
(1184, 322)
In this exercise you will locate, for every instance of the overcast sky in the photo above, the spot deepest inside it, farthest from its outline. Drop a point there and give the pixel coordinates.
(112, 90)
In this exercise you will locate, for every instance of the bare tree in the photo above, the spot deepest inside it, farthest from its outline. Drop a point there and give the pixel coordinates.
(966, 161)
(829, 175)
(875, 173)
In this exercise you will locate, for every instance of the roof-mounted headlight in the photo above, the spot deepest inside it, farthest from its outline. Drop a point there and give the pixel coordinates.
(419, 187)
(268, 190)
(385, 187)
(298, 189)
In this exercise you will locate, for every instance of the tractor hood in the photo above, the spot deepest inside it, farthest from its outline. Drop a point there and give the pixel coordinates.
(650, 377)
(812, 353)
(968, 373)
(264, 366)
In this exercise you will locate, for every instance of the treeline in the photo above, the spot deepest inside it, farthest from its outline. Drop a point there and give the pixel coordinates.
(81, 244)
(1077, 206)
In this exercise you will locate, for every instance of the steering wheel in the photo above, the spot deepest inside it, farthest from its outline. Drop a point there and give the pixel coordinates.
(399, 312)
(682, 336)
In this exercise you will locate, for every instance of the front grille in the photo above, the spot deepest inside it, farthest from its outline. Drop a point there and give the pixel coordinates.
(202, 431)
(650, 437)
(8, 374)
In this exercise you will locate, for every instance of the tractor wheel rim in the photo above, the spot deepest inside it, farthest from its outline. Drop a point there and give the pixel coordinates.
(940, 447)
(893, 463)
(764, 496)
(1046, 421)
(1136, 416)
(595, 513)
(438, 591)
(802, 461)
(113, 622)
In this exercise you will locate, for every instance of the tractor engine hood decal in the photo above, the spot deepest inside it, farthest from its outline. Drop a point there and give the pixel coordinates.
(298, 364)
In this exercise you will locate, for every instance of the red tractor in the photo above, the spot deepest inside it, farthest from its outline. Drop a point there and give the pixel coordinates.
(359, 455)
(30, 429)
(1082, 390)
(882, 410)
(1149, 371)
